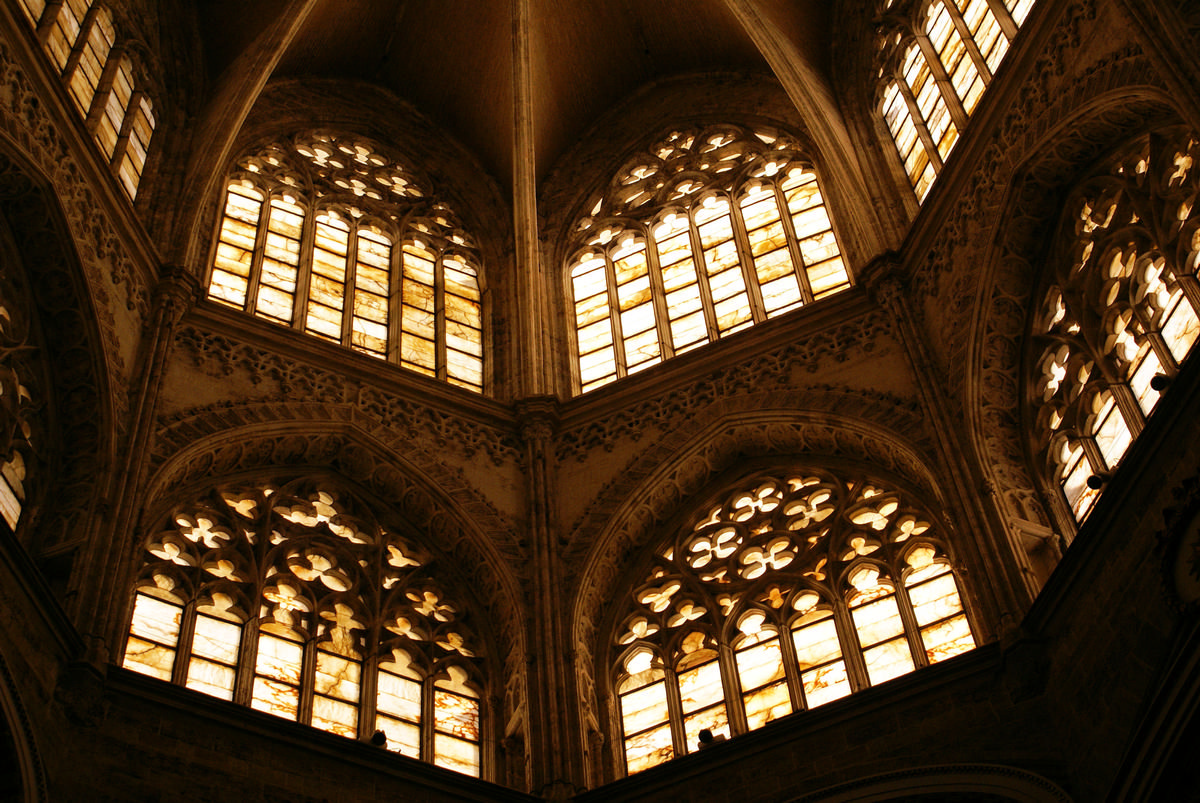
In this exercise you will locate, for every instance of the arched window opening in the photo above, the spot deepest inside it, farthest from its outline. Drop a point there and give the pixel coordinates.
(793, 590)
(935, 59)
(1121, 314)
(703, 234)
(331, 236)
(293, 600)
(82, 42)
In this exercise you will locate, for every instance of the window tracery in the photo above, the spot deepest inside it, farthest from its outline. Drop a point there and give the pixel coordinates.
(706, 232)
(793, 590)
(294, 600)
(934, 60)
(334, 237)
(1121, 314)
(82, 42)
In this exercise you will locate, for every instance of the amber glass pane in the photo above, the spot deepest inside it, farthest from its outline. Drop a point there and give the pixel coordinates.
(65, 31)
(153, 634)
(109, 127)
(92, 57)
(277, 676)
(235, 246)
(327, 289)
(822, 670)
(33, 10)
(402, 737)
(764, 691)
(212, 667)
(649, 749)
(139, 143)
(456, 754)
(881, 633)
(281, 258)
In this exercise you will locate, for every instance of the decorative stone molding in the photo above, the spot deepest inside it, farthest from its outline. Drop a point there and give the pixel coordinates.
(774, 371)
(416, 423)
(26, 120)
(951, 782)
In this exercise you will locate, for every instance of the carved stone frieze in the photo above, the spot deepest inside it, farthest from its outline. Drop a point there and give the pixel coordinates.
(786, 367)
(418, 425)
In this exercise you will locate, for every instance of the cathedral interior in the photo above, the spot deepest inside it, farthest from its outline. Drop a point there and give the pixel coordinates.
(510, 400)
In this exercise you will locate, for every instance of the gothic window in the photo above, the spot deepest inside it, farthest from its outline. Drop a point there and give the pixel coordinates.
(292, 599)
(706, 232)
(333, 237)
(794, 589)
(935, 58)
(81, 41)
(1121, 314)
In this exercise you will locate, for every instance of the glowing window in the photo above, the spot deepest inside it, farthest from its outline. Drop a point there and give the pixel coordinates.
(292, 624)
(800, 581)
(386, 271)
(704, 234)
(1120, 315)
(934, 62)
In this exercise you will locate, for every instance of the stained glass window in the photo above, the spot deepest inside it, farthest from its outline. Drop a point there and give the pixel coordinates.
(934, 61)
(705, 233)
(1121, 312)
(301, 646)
(333, 237)
(795, 588)
(83, 44)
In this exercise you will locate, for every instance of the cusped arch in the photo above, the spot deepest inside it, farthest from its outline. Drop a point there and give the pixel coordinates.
(79, 340)
(627, 517)
(1085, 126)
(426, 496)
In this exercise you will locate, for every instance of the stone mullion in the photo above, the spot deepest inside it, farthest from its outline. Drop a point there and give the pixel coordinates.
(103, 90)
(922, 128)
(555, 732)
(791, 668)
(741, 238)
(852, 650)
(793, 242)
(260, 248)
(49, 17)
(99, 605)
(731, 688)
(243, 679)
(183, 647)
(658, 297)
(86, 25)
(1003, 590)
(1008, 25)
(701, 269)
(304, 263)
(968, 40)
(368, 689)
(614, 317)
(912, 630)
(349, 289)
(132, 112)
(945, 86)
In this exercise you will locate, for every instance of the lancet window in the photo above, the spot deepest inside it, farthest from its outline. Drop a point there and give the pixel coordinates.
(334, 237)
(934, 60)
(706, 232)
(1121, 314)
(99, 70)
(292, 599)
(795, 589)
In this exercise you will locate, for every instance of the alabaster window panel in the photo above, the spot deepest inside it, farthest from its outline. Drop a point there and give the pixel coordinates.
(291, 598)
(934, 58)
(705, 232)
(793, 589)
(1120, 315)
(84, 45)
(333, 236)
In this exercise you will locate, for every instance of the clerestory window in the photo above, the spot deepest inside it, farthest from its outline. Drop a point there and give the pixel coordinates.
(82, 43)
(792, 590)
(292, 599)
(333, 237)
(1120, 317)
(706, 232)
(934, 60)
